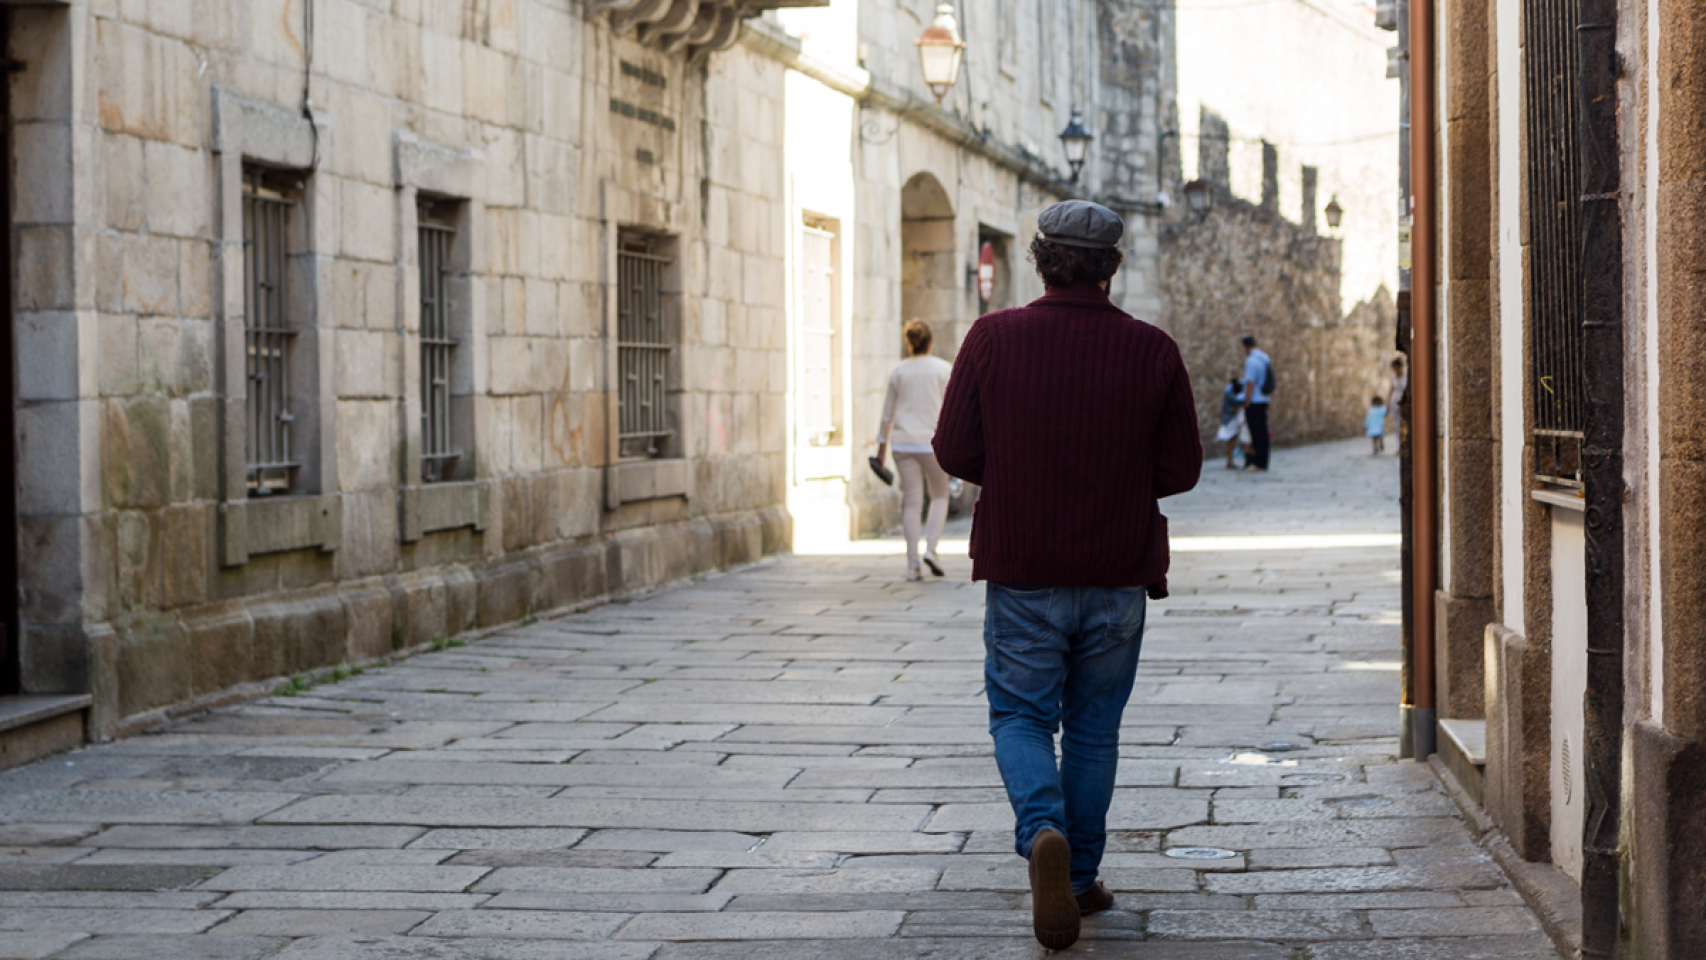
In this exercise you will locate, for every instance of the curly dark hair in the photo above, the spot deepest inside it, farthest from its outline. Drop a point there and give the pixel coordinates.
(1061, 265)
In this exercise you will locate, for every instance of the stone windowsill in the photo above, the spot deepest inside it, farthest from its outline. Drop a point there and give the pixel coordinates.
(1567, 499)
(651, 479)
(449, 506)
(276, 524)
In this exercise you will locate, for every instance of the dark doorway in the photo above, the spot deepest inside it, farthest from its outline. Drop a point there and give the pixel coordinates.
(929, 288)
(1000, 284)
(10, 660)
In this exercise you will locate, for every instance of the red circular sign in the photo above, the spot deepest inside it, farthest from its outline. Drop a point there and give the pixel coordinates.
(986, 272)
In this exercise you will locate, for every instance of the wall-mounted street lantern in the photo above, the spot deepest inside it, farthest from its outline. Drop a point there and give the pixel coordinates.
(1334, 212)
(939, 52)
(1075, 140)
(1199, 197)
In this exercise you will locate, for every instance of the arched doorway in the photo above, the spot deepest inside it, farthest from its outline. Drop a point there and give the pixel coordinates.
(929, 287)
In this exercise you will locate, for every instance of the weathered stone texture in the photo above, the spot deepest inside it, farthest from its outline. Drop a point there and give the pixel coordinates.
(134, 500)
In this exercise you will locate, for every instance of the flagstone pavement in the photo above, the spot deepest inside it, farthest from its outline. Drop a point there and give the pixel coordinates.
(791, 761)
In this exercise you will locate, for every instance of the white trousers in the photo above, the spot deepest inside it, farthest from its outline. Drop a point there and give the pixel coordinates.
(918, 471)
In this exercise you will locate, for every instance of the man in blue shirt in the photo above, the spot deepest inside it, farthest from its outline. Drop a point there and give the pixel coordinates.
(1257, 373)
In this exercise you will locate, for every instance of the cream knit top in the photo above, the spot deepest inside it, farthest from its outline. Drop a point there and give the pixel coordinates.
(913, 402)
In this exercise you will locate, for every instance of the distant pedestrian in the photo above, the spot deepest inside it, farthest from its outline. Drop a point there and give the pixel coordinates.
(1075, 418)
(910, 408)
(1258, 388)
(1234, 431)
(1400, 387)
(1375, 424)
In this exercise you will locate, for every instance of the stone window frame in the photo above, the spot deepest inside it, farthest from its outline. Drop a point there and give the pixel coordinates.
(648, 266)
(427, 171)
(246, 134)
(272, 236)
(621, 212)
(817, 461)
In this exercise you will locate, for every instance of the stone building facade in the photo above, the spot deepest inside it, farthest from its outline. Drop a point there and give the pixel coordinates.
(1568, 651)
(915, 191)
(344, 326)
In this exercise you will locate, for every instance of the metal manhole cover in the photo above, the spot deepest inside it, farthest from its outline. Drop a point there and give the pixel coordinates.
(1201, 853)
(1358, 802)
(1312, 777)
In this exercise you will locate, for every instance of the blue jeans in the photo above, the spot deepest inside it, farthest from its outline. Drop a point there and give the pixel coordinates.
(1054, 657)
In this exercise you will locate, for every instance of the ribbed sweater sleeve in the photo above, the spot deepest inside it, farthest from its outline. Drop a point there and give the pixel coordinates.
(959, 429)
(1178, 445)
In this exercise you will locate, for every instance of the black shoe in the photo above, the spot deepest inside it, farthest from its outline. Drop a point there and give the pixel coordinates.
(930, 562)
(1095, 900)
(1054, 910)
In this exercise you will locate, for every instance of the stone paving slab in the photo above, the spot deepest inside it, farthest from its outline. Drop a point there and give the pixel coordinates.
(791, 761)
(19, 945)
(129, 947)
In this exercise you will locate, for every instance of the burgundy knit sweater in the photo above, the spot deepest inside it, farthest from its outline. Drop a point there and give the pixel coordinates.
(1076, 419)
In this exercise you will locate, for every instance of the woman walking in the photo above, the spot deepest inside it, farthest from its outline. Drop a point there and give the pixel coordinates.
(914, 400)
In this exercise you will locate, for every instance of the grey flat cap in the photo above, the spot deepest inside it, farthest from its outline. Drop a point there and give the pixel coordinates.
(1080, 223)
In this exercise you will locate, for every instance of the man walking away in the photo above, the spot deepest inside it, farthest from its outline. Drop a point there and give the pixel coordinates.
(1258, 384)
(1076, 419)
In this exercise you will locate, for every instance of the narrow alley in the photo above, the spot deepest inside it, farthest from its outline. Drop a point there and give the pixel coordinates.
(791, 761)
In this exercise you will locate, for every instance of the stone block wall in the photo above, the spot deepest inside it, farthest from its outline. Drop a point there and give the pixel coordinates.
(551, 136)
(1243, 270)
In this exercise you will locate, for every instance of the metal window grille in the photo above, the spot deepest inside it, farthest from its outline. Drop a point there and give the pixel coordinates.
(817, 337)
(438, 351)
(643, 348)
(1550, 64)
(268, 341)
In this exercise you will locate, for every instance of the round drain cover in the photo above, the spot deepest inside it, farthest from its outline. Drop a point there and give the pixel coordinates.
(1201, 853)
(1312, 777)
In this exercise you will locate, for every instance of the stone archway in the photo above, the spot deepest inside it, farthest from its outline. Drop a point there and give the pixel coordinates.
(929, 287)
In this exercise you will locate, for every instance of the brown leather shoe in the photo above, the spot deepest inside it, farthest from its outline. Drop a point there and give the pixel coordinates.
(1095, 900)
(1054, 911)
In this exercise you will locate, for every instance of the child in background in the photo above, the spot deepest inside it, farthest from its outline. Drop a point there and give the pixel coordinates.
(1375, 425)
(1233, 429)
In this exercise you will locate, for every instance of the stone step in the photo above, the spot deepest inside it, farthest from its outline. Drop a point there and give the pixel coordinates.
(32, 727)
(1463, 747)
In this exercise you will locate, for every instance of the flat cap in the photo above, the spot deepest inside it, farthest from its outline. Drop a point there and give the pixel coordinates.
(1080, 223)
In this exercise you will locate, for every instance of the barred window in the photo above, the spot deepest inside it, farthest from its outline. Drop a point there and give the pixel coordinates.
(1550, 66)
(269, 339)
(645, 346)
(438, 346)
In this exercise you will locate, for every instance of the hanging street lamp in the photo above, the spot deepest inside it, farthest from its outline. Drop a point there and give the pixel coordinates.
(1075, 140)
(1334, 212)
(1199, 197)
(939, 52)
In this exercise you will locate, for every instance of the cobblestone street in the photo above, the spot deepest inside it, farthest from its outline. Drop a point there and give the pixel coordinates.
(791, 761)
